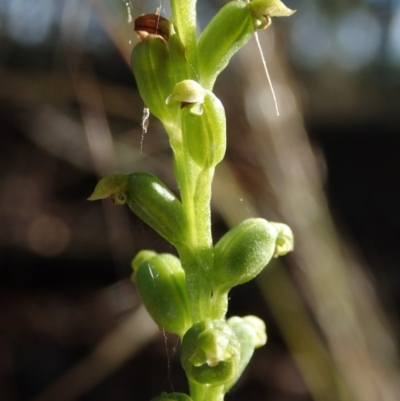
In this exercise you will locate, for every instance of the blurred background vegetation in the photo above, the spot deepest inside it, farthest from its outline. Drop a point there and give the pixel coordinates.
(71, 323)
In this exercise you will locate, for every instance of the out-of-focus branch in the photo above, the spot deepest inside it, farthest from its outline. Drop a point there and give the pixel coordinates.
(137, 330)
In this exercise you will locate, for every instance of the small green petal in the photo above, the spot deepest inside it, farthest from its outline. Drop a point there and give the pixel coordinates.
(270, 8)
(186, 91)
(108, 186)
(285, 240)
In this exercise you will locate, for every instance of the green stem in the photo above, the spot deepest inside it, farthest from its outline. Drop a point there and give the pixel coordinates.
(197, 258)
(219, 305)
(200, 392)
(215, 393)
(197, 252)
(198, 284)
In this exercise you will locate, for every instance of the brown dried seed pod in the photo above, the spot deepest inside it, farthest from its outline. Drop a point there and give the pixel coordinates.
(152, 24)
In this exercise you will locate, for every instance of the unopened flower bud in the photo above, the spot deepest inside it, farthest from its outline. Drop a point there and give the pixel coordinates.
(149, 198)
(154, 76)
(242, 253)
(161, 283)
(229, 30)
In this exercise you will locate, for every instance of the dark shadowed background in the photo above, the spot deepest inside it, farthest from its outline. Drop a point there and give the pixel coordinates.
(72, 327)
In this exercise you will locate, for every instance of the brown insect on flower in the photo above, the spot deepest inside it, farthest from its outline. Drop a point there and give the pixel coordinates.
(152, 24)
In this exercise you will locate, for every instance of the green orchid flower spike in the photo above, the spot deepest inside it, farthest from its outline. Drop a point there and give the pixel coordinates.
(175, 71)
